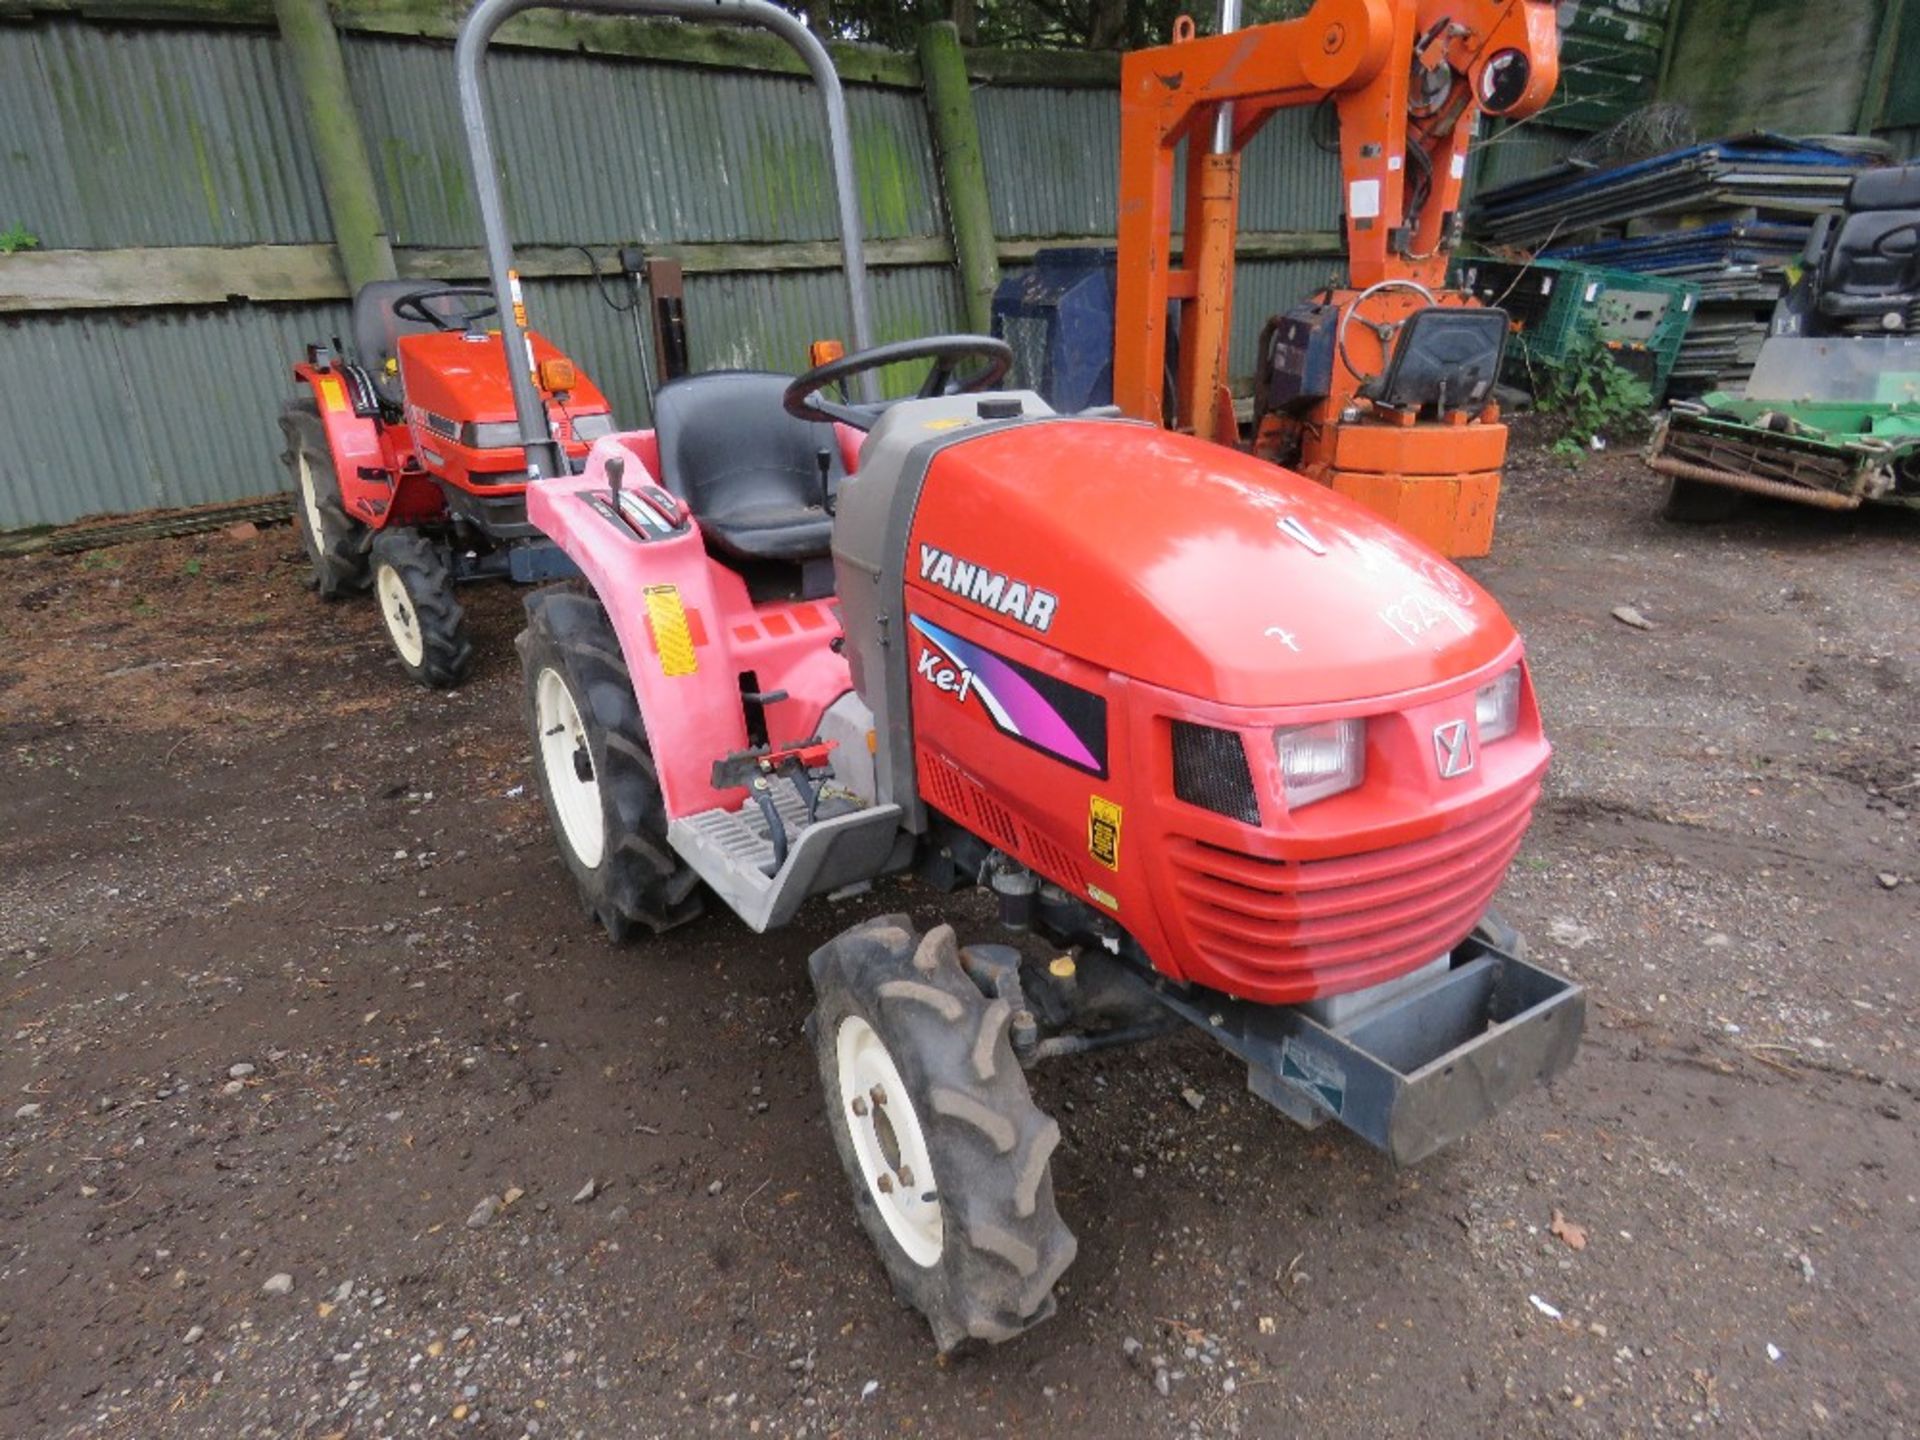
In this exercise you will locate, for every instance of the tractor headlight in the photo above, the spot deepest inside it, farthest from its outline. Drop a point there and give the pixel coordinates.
(592, 427)
(490, 434)
(1496, 707)
(1317, 761)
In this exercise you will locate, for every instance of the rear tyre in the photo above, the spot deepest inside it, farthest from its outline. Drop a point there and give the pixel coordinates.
(1697, 502)
(595, 771)
(336, 543)
(950, 1160)
(414, 585)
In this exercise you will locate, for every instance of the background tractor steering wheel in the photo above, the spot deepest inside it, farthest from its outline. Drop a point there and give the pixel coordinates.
(413, 306)
(1384, 331)
(803, 400)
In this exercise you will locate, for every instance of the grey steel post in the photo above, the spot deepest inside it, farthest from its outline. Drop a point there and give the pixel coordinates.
(544, 455)
(1223, 119)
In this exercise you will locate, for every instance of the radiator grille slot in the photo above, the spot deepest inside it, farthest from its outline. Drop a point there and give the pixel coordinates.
(1210, 770)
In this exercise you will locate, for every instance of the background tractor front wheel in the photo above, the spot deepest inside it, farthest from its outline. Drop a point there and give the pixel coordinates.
(414, 586)
(951, 1161)
(595, 771)
(336, 543)
(1697, 502)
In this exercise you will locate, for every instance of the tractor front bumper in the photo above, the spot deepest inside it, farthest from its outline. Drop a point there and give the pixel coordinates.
(1419, 1069)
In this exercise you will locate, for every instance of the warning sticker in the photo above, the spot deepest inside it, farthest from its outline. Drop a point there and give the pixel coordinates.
(1103, 831)
(1106, 898)
(672, 636)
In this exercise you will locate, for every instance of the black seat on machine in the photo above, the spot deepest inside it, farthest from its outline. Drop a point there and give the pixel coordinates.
(749, 471)
(1446, 357)
(377, 330)
(1872, 265)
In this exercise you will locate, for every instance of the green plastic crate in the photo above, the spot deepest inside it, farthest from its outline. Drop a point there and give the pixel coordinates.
(1558, 306)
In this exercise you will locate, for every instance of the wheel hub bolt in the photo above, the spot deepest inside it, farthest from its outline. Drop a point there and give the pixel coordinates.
(860, 1105)
(906, 1176)
(884, 1184)
(878, 1096)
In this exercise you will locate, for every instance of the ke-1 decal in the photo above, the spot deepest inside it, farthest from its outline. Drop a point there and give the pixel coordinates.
(1052, 716)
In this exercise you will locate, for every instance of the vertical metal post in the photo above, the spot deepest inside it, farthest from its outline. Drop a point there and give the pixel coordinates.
(1223, 118)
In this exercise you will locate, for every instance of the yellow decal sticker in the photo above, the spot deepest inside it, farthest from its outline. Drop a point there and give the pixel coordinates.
(333, 394)
(672, 637)
(947, 424)
(1103, 831)
(1103, 897)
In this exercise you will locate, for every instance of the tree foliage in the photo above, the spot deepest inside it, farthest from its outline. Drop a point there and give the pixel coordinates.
(1023, 24)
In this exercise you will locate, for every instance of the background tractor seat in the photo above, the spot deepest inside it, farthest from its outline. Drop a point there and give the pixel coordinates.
(749, 471)
(1873, 260)
(377, 330)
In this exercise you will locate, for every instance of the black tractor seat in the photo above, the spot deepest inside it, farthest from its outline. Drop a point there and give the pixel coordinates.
(749, 471)
(377, 330)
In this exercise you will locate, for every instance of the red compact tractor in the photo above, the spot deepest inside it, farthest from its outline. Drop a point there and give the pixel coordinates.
(407, 467)
(1224, 746)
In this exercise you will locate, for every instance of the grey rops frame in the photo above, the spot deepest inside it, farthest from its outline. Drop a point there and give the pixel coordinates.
(544, 456)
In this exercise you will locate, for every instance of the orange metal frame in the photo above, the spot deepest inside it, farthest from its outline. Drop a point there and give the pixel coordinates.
(1362, 53)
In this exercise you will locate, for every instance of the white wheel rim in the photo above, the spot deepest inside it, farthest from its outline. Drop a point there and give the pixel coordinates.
(561, 738)
(309, 497)
(396, 608)
(888, 1142)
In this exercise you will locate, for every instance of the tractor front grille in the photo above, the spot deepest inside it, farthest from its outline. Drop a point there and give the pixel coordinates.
(1346, 922)
(1210, 770)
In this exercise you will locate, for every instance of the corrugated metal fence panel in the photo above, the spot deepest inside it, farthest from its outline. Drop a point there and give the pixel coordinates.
(175, 408)
(739, 321)
(607, 151)
(153, 136)
(1052, 158)
(1523, 150)
(1287, 181)
(1267, 287)
(1053, 166)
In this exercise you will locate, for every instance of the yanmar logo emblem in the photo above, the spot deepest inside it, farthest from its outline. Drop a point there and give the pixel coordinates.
(1452, 749)
(989, 589)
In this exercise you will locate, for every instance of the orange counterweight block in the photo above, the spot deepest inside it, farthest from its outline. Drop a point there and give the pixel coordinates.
(1436, 476)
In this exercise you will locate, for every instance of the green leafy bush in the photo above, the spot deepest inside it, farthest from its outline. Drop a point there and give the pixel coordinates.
(1589, 393)
(17, 237)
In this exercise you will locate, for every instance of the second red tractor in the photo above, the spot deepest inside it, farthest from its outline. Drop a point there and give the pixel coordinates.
(406, 461)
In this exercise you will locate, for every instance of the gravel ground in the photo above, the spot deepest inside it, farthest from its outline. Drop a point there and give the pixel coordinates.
(326, 1115)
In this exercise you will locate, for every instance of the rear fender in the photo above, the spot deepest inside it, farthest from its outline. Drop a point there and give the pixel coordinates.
(686, 626)
(358, 445)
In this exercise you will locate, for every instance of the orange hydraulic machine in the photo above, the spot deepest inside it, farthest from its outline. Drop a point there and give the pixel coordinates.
(1383, 388)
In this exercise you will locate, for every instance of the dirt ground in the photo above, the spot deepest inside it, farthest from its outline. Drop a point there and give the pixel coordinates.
(291, 980)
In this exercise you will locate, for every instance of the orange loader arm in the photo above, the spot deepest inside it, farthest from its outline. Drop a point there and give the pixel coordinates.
(1409, 79)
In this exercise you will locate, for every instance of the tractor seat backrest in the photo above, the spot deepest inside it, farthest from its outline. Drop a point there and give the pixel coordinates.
(1445, 357)
(377, 330)
(749, 471)
(1873, 258)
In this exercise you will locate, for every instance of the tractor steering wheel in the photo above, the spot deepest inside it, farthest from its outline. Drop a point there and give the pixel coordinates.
(413, 306)
(803, 400)
(1385, 332)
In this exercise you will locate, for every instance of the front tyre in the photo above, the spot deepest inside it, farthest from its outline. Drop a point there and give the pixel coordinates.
(596, 773)
(950, 1160)
(414, 586)
(1699, 502)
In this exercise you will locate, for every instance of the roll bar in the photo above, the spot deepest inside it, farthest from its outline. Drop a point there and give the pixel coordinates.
(544, 454)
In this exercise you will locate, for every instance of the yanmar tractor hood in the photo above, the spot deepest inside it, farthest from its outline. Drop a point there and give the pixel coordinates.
(1193, 567)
